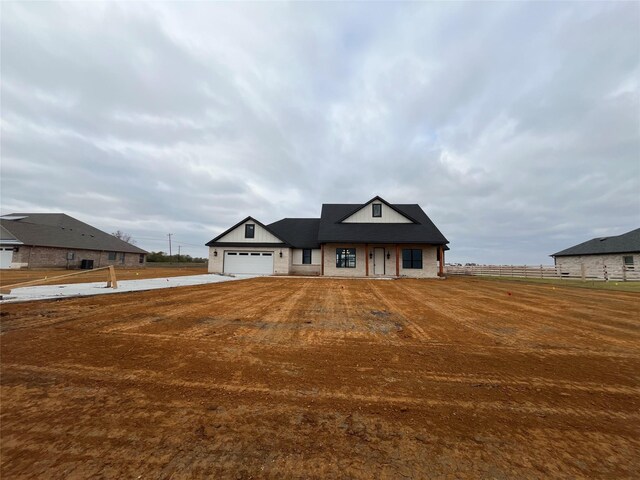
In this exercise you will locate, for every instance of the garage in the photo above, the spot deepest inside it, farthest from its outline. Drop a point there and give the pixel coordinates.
(249, 262)
(6, 256)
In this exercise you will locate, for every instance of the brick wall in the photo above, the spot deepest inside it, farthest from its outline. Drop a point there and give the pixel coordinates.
(51, 257)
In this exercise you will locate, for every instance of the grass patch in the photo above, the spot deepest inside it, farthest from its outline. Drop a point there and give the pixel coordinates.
(593, 284)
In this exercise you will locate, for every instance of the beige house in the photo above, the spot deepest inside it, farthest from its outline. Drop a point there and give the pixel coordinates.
(56, 240)
(603, 257)
(375, 238)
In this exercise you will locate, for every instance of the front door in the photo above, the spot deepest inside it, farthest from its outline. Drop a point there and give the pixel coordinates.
(378, 261)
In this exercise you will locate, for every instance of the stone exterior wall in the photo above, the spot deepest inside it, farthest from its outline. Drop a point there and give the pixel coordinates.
(51, 257)
(280, 264)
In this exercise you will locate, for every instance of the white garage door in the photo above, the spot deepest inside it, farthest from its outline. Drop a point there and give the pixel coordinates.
(6, 255)
(248, 262)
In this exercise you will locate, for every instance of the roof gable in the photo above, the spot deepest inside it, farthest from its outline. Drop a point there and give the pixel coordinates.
(332, 229)
(236, 234)
(626, 243)
(389, 213)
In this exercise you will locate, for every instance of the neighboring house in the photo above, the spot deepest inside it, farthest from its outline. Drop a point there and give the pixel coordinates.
(595, 256)
(56, 240)
(375, 238)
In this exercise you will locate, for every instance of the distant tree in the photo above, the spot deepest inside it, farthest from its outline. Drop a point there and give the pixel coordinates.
(125, 237)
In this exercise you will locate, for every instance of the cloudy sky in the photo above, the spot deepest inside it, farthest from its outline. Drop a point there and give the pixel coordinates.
(516, 126)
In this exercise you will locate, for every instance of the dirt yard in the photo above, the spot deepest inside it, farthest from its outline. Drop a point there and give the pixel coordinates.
(9, 277)
(323, 378)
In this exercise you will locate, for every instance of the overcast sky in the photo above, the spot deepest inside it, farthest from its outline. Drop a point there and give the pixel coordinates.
(516, 126)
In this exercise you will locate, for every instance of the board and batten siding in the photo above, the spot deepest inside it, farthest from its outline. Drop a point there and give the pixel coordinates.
(365, 215)
(260, 236)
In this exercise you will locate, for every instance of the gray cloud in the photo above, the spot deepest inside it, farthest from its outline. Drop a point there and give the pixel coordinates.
(515, 125)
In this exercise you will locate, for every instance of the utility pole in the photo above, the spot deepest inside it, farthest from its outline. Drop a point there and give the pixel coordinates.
(169, 235)
(179, 252)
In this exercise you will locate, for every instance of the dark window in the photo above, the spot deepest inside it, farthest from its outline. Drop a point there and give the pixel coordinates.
(377, 209)
(266, 254)
(411, 258)
(255, 254)
(243, 253)
(231, 253)
(122, 258)
(111, 255)
(345, 258)
(628, 260)
(141, 260)
(306, 256)
(249, 230)
(438, 254)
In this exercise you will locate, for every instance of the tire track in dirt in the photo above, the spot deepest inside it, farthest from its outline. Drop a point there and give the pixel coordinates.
(461, 315)
(415, 330)
(145, 378)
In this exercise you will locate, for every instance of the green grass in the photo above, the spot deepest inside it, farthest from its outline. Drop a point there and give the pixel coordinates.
(596, 285)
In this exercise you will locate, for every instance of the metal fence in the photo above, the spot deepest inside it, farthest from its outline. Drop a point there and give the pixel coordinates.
(580, 272)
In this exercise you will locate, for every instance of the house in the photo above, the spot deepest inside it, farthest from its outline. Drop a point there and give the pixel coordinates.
(56, 240)
(375, 238)
(599, 255)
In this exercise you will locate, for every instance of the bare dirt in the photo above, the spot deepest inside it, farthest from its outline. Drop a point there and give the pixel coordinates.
(10, 277)
(324, 378)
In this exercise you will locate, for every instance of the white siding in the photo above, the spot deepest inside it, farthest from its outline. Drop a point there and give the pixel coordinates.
(365, 215)
(261, 235)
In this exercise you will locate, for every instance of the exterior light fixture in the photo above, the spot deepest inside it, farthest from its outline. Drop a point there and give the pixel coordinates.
(215, 253)
(280, 253)
(370, 255)
(388, 255)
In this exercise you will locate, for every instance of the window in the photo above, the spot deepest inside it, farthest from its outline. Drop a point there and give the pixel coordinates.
(141, 260)
(71, 255)
(122, 257)
(438, 254)
(306, 256)
(345, 258)
(111, 256)
(411, 258)
(377, 209)
(628, 261)
(249, 230)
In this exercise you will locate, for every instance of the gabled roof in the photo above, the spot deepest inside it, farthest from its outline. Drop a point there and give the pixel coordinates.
(298, 232)
(215, 240)
(381, 200)
(421, 231)
(626, 243)
(62, 231)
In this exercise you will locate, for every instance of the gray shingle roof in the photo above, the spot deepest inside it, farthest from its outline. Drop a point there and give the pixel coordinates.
(626, 243)
(331, 231)
(297, 232)
(61, 230)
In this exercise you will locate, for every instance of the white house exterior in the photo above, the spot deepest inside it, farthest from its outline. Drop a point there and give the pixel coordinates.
(348, 240)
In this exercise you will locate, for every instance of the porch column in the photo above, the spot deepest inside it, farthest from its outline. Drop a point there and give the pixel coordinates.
(366, 259)
(441, 266)
(322, 259)
(397, 260)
